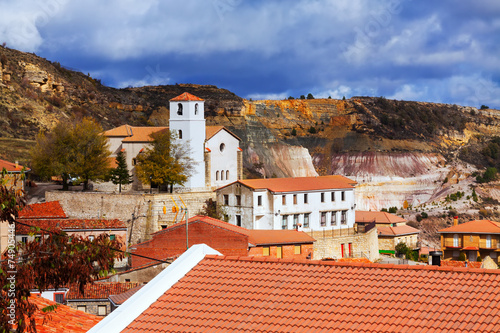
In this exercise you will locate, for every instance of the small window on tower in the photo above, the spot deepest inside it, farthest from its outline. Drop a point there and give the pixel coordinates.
(179, 109)
(196, 109)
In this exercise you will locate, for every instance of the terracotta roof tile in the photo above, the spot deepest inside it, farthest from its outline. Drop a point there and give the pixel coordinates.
(278, 185)
(397, 231)
(124, 130)
(68, 224)
(11, 167)
(44, 210)
(476, 226)
(210, 131)
(226, 294)
(142, 134)
(100, 290)
(120, 298)
(378, 217)
(186, 97)
(63, 319)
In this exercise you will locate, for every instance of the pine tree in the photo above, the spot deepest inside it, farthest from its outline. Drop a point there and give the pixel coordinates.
(120, 175)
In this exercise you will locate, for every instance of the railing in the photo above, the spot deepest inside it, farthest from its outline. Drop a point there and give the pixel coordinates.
(452, 243)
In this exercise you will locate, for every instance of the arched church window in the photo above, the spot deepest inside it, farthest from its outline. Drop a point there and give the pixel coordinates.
(222, 175)
(217, 175)
(179, 109)
(180, 134)
(227, 174)
(222, 147)
(196, 109)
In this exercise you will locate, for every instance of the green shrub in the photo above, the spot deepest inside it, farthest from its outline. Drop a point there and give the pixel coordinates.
(461, 256)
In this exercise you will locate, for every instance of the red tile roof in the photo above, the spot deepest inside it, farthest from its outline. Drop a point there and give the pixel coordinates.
(63, 320)
(476, 226)
(100, 290)
(124, 130)
(119, 299)
(142, 134)
(210, 131)
(397, 231)
(228, 294)
(378, 217)
(68, 224)
(278, 185)
(278, 237)
(11, 167)
(44, 210)
(186, 97)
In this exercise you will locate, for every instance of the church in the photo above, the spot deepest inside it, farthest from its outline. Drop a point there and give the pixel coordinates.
(215, 150)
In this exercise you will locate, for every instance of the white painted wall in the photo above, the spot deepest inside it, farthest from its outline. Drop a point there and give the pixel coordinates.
(223, 160)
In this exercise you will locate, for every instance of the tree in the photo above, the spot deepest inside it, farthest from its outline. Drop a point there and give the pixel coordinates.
(310, 96)
(77, 149)
(211, 209)
(120, 175)
(51, 261)
(302, 97)
(484, 107)
(166, 162)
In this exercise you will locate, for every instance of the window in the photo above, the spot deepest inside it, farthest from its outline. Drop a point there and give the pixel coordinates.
(283, 199)
(222, 175)
(82, 308)
(279, 252)
(342, 249)
(488, 241)
(226, 199)
(180, 134)
(323, 219)
(322, 197)
(112, 237)
(222, 147)
(343, 217)
(295, 221)
(24, 239)
(342, 195)
(217, 175)
(284, 222)
(295, 199)
(297, 249)
(455, 240)
(101, 310)
(333, 219)
(333, 196)
(179, 109)
(306, 220)
(227, 174)
(196, 109)
(59, 298)
(350, 250)
(238, 200)
(127, 280)
(265, 251)
(91, 238)
(259, 200)
(305, 197)
(238, 220)
(471, 238)
(134, 161)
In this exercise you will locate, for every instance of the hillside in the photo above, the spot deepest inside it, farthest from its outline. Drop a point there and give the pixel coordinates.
(396, 150)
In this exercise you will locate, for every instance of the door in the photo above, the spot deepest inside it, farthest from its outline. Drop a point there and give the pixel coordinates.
(342, 250)
(472, 255)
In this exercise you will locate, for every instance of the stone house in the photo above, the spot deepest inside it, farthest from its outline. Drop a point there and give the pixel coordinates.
(214, 149)
(389, 237)
(302, 203)
(475, 238)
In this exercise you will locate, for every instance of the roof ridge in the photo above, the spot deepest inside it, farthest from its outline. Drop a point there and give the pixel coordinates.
(351, 264)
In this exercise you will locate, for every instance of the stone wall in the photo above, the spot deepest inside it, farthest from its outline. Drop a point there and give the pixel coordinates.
(143, 214)
(90, 306)
(141, 275)
(329, 243)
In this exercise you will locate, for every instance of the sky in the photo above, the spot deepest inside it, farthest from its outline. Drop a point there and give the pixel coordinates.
(437, 51)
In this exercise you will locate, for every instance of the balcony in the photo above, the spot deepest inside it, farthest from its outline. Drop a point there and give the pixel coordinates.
(453, 244)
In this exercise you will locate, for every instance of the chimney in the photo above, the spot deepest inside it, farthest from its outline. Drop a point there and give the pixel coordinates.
(455, 220)
(435, 258)
(17, 164)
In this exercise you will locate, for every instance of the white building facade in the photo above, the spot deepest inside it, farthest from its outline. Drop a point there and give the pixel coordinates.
(303, 203)
(214, 149)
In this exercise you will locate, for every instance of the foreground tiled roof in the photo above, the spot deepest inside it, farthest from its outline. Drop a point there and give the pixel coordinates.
(378, 217)
(186, 97)
(397, 231)
(100, 290)
(119, 299)
(11, 167)
(476, 226)
(63, 320)
(299, 183)
(229, 294)
(44, 210)
(68, 224)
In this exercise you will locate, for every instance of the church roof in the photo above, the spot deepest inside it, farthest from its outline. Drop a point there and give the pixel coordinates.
(142, 134)
(210, 131)
(186, 97)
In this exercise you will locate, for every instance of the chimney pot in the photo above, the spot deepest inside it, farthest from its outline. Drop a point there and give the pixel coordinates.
(455, 220)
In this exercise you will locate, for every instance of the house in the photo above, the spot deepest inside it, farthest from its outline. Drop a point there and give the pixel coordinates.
(95, 296)
(389, 237)
(478, 238)
(381, 219)
(206, 291)
(214, 149)
(302, 203)
(141, 274)
(225, 238)
(58, 295)
(62, 319)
